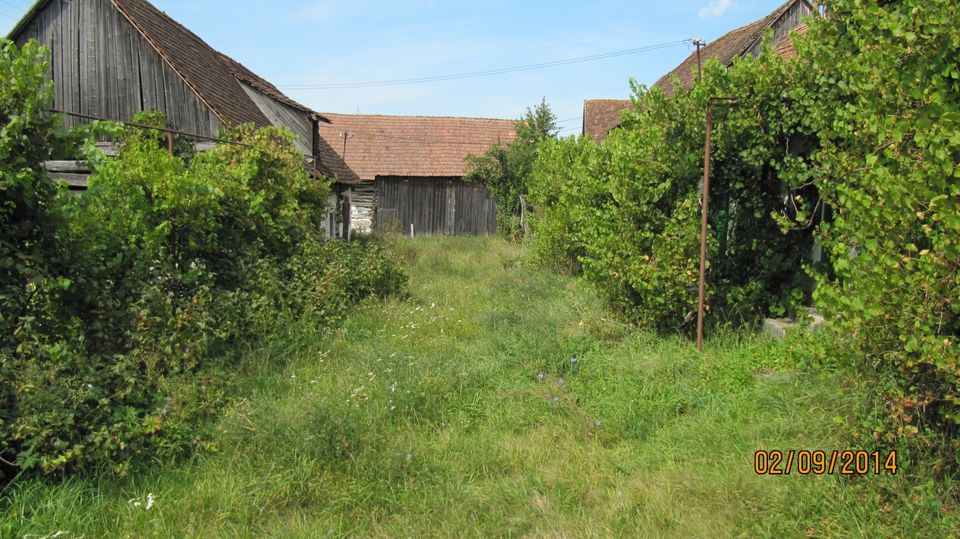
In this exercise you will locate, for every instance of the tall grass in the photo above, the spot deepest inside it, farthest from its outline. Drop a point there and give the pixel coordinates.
(460, 411)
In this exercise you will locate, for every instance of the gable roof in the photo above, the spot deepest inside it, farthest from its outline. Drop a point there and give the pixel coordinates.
(213, 76)
(784, 46)
(600, 116)
(242, 73)
(199, 64)
(725, 48)
(415, 146)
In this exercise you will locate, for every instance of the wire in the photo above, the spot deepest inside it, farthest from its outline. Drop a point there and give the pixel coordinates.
(487, 73)
(11, 4)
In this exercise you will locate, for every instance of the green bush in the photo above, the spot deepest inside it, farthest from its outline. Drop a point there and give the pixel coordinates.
(879, 83)
(627, 211)
(505, 169)
(139, 295)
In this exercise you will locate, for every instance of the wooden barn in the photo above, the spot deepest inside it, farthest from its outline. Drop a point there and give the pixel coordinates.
(600, 116)
(405, 173)
(114, 58)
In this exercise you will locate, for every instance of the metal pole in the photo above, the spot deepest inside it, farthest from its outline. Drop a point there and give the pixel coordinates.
(705, 204)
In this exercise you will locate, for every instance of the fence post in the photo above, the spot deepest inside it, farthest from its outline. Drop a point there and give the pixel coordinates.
(524, 224)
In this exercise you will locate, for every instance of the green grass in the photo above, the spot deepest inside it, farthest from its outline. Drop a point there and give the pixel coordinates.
(425, 417)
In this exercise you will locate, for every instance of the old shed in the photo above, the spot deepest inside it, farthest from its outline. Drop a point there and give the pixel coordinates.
(406, 172)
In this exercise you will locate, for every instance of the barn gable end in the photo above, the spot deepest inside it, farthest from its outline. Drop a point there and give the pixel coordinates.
(102, 66)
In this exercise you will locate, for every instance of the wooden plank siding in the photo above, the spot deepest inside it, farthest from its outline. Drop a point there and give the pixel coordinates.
(782, 27)
(434, 206)
(279, 114)
(102, 66)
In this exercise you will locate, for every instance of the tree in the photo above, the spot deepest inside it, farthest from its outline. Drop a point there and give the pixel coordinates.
(506, 169)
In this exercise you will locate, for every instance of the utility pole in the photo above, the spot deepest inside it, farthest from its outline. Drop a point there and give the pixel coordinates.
(699, 43)
(704, 211)
(345, 136)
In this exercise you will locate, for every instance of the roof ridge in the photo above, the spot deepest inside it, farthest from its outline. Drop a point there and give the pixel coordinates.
(606, 100)
(768, 21)
(245, 74)
(415, 116)
(726, 47)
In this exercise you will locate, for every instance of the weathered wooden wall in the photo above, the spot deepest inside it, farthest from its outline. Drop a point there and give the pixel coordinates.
(433, 206)
(102, 66)
(363, 203)
(279, 114)
(784, 25)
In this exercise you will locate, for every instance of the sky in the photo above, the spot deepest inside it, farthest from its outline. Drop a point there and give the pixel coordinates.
(321, 42)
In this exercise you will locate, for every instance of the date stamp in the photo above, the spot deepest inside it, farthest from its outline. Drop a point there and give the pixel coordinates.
(804, 462)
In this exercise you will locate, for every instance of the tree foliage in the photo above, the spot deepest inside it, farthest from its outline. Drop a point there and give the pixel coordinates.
(880, 87)
(505, 169)
(856, 140)
(626, 212)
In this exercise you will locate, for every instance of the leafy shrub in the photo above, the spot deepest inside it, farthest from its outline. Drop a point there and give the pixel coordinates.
(626, 211)
(880, 87)
(141, 293)
(505, 169)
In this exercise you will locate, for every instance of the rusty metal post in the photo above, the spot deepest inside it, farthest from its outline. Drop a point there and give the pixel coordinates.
(704, 206)
(170, 142)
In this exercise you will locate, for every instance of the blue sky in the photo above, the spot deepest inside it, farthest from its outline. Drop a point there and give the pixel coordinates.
(295, 42)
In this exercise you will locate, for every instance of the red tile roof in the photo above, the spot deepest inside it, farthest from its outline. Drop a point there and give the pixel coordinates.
(784, 46)
(600, 116)
(418, 146)
(725, 48)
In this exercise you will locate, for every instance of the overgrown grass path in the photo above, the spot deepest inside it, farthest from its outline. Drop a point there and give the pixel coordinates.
(497, 400)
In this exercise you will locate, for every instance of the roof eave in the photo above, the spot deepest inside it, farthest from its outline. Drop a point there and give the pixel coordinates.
(22, 23)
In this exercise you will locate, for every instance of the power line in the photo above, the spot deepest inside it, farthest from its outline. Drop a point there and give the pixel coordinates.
(11, 4)
(487, 73)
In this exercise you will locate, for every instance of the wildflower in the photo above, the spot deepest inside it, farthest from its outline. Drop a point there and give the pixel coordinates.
(596, 424)
(573, 359)
(150, 500)
(540, 376)
(561, 383)
(556, 400)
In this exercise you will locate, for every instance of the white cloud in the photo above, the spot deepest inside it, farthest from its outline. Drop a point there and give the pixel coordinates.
(716, 8)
